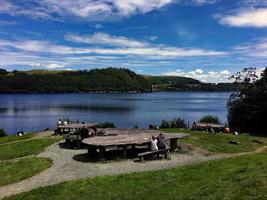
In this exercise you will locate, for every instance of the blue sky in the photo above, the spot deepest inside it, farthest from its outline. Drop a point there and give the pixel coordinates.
(203, 39)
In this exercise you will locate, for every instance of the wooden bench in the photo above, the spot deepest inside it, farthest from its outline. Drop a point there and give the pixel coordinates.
(166, 153)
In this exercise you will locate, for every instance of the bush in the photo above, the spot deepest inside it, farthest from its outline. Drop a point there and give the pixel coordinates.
(106, 125)
(2, 133)
(3, 72)
(178, 123)
(165, 124)
(210, 119)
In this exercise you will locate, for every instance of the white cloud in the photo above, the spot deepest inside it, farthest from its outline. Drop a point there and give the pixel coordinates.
(105, 39)
(250, 17)
(199, 71)
(128, 46)
(225, 72)
(93, 10)
(98, 26)
(210, 76)
(257, 48)
(110, 45)
(153, 37)
(88, 9)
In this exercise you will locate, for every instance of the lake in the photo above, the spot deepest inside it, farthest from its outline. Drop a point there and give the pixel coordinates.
(30, 112)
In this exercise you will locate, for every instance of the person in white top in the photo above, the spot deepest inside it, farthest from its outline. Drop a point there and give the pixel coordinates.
(153, 143)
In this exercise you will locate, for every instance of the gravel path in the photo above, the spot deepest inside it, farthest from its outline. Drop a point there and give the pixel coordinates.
(65, 168)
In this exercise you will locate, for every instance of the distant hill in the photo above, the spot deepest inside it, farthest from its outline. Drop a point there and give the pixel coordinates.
(176, 83)
(96, 80)
(100, 80)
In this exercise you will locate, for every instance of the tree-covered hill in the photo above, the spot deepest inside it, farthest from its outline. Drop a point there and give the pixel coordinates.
(96, 80)
(176, 83)
(99, 80)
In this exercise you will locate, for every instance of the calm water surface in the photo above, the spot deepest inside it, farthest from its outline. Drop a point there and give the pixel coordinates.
(29, 112)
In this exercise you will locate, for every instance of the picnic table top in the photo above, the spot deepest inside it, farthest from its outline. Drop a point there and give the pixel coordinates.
(128, 139)
(77, 125)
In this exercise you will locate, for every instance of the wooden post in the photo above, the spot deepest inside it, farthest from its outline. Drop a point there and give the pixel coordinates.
(173, 143)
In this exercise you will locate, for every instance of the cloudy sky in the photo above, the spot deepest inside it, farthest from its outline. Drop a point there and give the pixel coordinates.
(203, 39)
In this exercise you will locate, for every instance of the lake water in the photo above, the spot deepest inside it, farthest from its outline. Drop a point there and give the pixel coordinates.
(30, 112)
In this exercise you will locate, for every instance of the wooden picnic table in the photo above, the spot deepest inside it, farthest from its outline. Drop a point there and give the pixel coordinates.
(101, 143)
(62, 128)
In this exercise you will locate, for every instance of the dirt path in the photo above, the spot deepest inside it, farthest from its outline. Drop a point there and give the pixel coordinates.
(72, 165)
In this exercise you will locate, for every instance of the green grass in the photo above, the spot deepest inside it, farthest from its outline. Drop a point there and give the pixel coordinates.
(242, 177)
(14, 171)
(219, 143)
(25, 148)
(12, 138)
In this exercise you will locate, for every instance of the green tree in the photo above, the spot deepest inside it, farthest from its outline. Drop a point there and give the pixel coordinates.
(209, 119)
(247, 109)
(2, 133)
(3, 72)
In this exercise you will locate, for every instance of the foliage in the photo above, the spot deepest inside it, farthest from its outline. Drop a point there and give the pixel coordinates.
(106, 125)
(176, 83)
(219, 143)
(165, 124)
(247, 109)
(209, 119)
(24, 148)
(14, 171)
(242, 177)
(3, 72)
(2, 133)
(178, 123)
(96, 80)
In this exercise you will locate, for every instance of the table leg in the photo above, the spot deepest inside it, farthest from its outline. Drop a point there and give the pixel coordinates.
(173, 143)
(101, 153)
(124, 151)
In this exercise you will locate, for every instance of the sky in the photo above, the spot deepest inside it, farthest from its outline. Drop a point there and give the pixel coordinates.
(204, 39)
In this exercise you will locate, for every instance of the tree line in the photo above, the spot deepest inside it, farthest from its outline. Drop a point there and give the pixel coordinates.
(99, 80)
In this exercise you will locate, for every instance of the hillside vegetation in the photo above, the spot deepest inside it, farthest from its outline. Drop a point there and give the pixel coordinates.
(96, 80)
(99, 80)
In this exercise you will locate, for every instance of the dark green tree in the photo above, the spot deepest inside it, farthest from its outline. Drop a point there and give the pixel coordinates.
(247, 109)
(3, 72)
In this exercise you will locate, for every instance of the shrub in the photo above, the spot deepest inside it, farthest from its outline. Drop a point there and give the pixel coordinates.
(2, 133)
(210, 119)
(106, 125)
(178, 123)
(3, 72)
(165, 124)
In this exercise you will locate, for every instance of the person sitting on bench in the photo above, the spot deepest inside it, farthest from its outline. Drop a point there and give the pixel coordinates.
(161, 141)
(153, 143)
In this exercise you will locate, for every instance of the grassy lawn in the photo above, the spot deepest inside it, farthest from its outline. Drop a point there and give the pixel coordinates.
(25, 148)
(242, 177)
(14, 171)
(219, 143)
(11, 138)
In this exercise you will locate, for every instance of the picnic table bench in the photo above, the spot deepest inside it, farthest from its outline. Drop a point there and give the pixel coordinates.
(165, 151)
(100, 144)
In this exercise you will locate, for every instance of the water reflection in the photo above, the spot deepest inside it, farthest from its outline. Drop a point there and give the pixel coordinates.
(40, 111)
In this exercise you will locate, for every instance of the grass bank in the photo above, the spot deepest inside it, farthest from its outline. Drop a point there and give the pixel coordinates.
(14, 171)
(25, 148)
(219, 143)
(12, 138)
(242, 177)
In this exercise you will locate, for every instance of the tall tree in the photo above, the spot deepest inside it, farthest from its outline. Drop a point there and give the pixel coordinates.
(247, 109)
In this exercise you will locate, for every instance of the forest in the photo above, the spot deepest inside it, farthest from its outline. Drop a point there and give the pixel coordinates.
(99, 80)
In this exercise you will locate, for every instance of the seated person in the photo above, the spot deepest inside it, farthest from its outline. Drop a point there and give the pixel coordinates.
(161, 142)
(153, 143)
